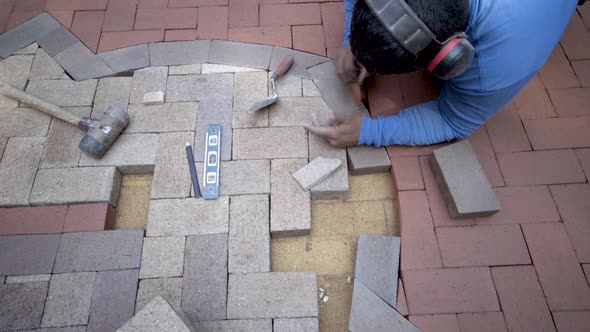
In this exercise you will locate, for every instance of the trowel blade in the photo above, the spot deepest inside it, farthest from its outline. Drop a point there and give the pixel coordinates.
(264, 103)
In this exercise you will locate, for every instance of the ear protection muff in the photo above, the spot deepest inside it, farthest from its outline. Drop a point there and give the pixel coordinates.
(454, 55)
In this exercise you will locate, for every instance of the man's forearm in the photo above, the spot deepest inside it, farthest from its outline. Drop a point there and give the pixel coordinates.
(348, 8)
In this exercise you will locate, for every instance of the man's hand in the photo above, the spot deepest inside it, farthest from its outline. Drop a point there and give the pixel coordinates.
(343, 131)
(346, 67)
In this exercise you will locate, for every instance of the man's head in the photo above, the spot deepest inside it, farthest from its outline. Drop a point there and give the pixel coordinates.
(376, 49)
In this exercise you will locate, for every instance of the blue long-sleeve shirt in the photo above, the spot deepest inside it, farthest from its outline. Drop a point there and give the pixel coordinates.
(512, 40)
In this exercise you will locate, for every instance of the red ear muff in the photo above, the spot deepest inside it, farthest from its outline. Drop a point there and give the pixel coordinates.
(453, 59)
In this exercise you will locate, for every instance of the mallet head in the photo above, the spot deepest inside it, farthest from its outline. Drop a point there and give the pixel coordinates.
(99, 139)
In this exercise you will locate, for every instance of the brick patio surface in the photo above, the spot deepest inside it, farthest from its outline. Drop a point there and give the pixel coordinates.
(526, 268)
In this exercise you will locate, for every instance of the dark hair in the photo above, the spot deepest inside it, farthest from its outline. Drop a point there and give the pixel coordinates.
(375, 48)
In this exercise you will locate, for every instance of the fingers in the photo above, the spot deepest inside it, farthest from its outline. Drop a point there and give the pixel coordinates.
(326, 132)
(345, 117)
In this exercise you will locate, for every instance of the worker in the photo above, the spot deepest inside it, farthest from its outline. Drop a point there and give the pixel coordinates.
(485, 51)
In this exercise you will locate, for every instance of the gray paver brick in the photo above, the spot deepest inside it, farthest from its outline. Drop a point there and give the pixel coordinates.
(61, 148)
(18, 168)
(270, 143)
(316, 171)
(241, 325)
(146, 80)
(336, 186)
(179, 53)
(167, 117)
(377, 265)
(128, 58)
(27, 254)
(466, 188)
(309, 89)
(80, 328)
(171, 174)
(21, 305)
(27, 33)
(113, 300)
(76, 185)
(28, 278)
(158, 316)
(3, 142)
(337, 94)
(45, 68)
(131, 153)
(302, 61)
(290, 210)
(296, 325)
(371, 313)
(249, 89)
(364, 159)
(169, 288)
(240, 54)
(240, 177)
(64, 92)
(23, 122)
(58, 40)
(111, 91)
(162, 257)
(81, 64)
(219, 111)
(98, 251)
(14, 71)
(272, 295)
(69, 299)
(199, 87)
(296, 112)
(204, 286)
(287, 86)
(31, 49)
(193, 69)
(212, 68)
(249, 240)
(188, 216)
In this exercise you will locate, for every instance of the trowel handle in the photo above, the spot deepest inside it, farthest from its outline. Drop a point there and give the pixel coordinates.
(38, 104)
(283, 67)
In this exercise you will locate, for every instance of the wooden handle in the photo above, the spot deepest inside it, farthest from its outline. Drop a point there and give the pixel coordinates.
(38, 104)
(283, 67)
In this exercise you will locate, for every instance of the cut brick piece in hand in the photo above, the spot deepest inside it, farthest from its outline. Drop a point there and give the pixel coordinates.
(153, 98)
(316, 171)
(466, 189)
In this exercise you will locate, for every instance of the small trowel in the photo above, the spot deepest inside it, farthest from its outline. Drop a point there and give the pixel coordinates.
(281, 69)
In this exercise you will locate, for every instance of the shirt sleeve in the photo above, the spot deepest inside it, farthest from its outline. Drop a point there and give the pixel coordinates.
(348, 8)
(456, 113)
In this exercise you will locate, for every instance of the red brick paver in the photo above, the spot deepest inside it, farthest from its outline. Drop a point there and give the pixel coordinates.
(482, 322)
(89, 217)
(436, 323)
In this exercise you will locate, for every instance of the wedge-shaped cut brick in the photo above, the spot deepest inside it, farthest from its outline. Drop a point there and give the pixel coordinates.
(162, 257)
(199, 87)
(146, 80)
(204, 286)
(272, 295)
(31, 49)
(171, 175)
(158, 316)
(464, 185)
(377, 265)
(234, 180)
(250, 88)
(244, 325)
(179, 53)
(370, 313)
(188, 216)
(81, 63)
(240, 54)
(296, 324)
(336, 186)
(153, 98)
(316, 171)
(337, 94)
(113, 300)
(149, 289)
(290, 210)
(21, 305)
(363, 159)
(64, 92)
(270, 143)
(76, 185)
(131, 153)
(98, 251)
(45, 68)
(69, 299)
(18, 168)
(162, 118)
(249, 240)
(27, 254)
(294, 112)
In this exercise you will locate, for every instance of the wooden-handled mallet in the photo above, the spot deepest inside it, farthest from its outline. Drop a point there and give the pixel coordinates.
(100, 134)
